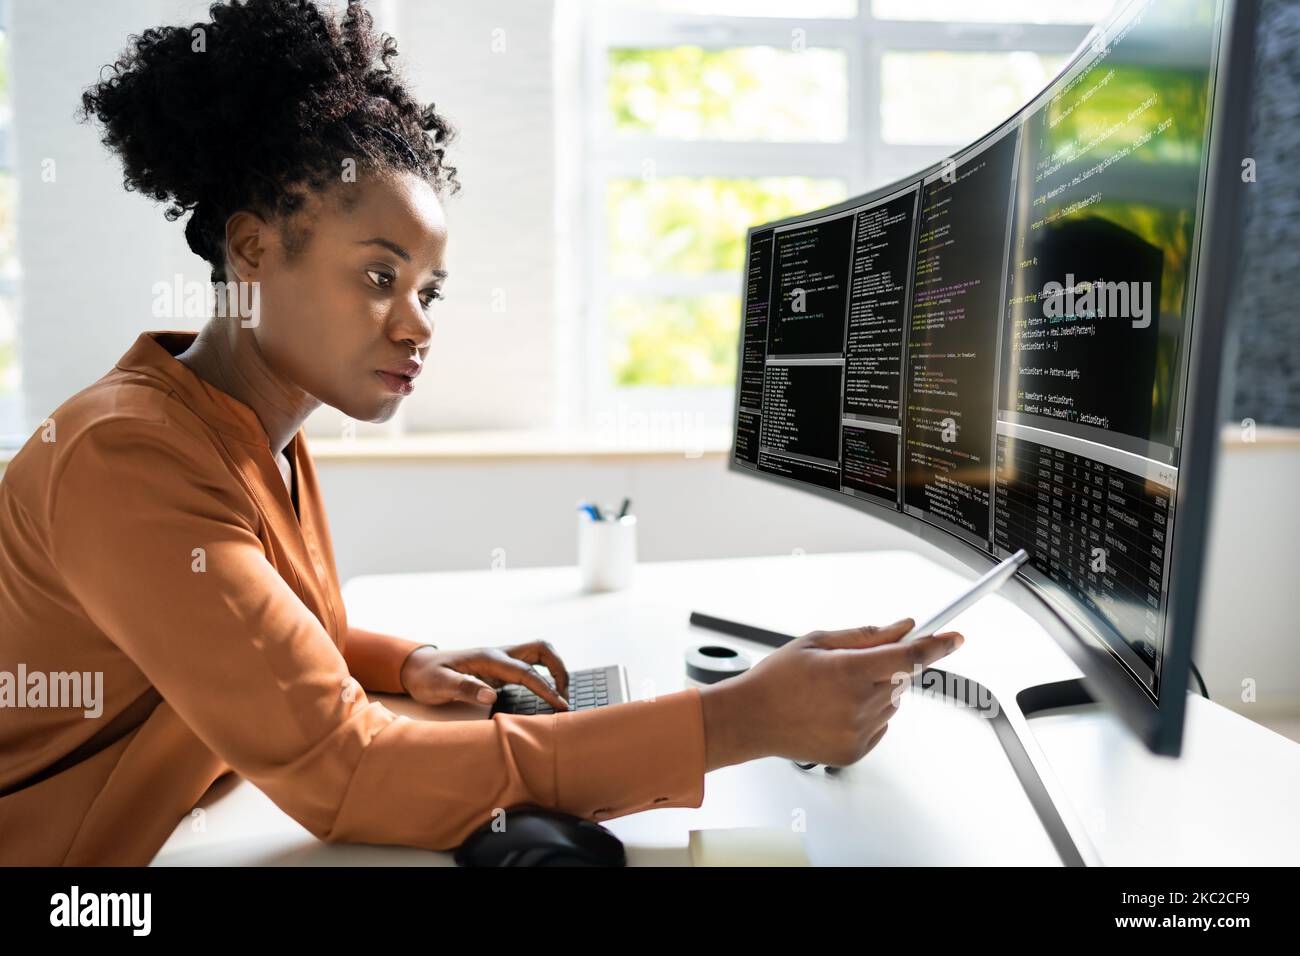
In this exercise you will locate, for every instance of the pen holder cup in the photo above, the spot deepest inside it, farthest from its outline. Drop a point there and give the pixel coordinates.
(606, 552)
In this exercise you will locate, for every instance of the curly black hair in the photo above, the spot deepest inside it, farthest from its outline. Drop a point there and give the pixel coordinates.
(251, 110)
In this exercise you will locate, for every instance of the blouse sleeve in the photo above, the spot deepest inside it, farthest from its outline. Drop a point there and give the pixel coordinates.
(157, 541)
(376, 658)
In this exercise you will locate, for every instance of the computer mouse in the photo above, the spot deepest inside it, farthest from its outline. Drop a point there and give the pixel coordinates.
(538, 836)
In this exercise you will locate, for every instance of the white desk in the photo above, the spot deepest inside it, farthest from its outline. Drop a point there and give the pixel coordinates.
(937, 789)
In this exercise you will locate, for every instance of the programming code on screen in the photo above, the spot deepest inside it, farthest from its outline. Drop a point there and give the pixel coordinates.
(952, 340)
(999, 347)
(821, 352)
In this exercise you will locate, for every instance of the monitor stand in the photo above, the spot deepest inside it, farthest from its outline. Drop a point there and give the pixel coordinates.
(1032, 700)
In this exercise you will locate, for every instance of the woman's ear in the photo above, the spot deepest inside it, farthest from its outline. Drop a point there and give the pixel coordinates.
(248, 236)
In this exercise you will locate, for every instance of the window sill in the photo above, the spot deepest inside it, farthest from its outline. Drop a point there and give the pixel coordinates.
(558, 445)
(536, 444)
(596, 443)
(1235, 438)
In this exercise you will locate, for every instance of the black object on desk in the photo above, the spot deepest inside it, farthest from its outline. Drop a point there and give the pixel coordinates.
(537, 836)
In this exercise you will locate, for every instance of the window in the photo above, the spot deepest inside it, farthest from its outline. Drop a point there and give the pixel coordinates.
(703, 117)
(11, 425)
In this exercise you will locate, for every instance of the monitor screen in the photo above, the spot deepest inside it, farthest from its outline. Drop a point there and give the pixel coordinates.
(998, 346)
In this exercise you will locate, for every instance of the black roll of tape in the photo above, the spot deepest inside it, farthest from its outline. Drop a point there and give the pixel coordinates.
(710, 663)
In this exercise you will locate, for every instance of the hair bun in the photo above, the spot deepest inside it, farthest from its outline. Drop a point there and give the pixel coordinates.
(247, 110)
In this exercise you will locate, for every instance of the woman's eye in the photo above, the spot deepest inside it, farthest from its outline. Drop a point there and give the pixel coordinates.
(385, 281)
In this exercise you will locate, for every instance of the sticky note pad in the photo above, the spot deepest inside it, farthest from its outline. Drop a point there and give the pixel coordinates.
(748, 846)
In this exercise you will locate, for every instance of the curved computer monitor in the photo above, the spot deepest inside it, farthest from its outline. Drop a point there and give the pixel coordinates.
(1021, 346)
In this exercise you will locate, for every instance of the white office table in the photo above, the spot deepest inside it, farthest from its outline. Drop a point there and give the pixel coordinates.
(938, 789)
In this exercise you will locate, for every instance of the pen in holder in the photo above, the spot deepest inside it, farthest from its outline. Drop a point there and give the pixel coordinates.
(606, 550)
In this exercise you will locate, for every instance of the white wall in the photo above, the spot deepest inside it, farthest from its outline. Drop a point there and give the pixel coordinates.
(444, 515)
(89, 252)
(1249, 611)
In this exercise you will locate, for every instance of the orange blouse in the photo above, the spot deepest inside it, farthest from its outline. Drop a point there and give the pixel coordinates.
(146, 535)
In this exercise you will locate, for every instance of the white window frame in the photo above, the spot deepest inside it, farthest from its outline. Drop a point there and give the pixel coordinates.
(862, 160)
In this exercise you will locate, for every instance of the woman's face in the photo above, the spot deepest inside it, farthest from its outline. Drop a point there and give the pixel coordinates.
(359, 298)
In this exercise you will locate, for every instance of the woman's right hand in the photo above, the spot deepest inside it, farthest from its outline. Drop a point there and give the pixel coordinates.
(825, 697)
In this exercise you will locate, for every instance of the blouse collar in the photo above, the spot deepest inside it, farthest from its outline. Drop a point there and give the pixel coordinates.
(154, 354)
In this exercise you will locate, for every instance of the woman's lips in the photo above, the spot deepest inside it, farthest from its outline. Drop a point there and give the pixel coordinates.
(398, 384)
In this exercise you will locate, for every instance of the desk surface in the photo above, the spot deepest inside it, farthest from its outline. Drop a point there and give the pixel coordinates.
(937, 789)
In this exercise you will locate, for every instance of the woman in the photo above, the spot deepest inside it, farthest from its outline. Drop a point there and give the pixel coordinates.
(164, 528)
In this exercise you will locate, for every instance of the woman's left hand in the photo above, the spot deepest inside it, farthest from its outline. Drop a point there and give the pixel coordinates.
(434, 676)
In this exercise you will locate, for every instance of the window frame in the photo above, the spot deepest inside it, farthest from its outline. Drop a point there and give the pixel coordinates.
(862, 160)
